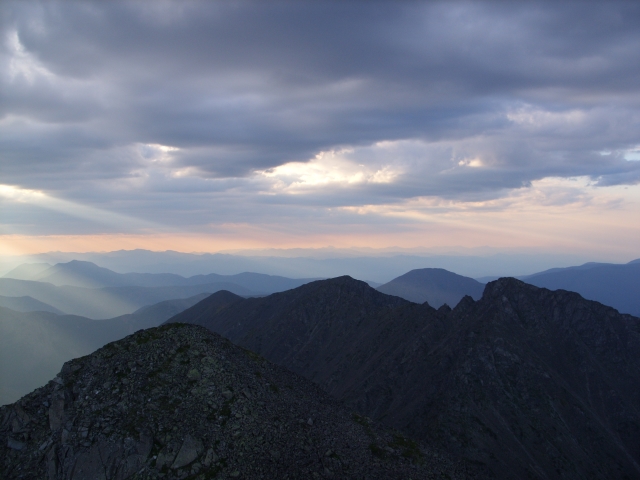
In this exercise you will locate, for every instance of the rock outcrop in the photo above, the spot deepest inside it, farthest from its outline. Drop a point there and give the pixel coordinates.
(180, 402)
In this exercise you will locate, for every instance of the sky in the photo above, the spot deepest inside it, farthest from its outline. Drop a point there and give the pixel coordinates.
(231, 125)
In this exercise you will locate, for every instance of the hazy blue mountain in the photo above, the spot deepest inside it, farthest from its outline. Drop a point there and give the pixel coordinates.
(87, 274)
(109, 302)
(27, 271)
(525, 382)
(488, 278)
(27, 304)
(365, 264)
(179, 402)
(433, 285)
(33, 346)
(611, 284)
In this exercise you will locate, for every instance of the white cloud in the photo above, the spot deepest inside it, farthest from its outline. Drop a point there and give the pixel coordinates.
(330, 168)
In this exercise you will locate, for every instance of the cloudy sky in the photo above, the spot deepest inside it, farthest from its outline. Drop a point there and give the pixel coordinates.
(208, 126)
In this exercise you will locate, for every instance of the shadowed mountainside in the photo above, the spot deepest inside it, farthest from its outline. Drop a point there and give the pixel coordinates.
(433, 285)
(181, 402)
(611, 284)
(528, 382)
(33, 346)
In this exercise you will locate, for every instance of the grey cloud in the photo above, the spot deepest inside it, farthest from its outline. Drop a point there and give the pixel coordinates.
(245, 86)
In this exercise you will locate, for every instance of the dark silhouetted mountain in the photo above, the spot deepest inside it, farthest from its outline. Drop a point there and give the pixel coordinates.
(27, 304)
(180, 402)
(526, 382)
(614, 285)
(433, 285)
(102, 303)
(298, 328)
(89, 275)
(33, 346)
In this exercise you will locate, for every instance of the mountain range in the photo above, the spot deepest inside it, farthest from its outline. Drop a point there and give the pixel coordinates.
(525, 382)
(515, 381)
(104, 303)
(617, 285)
(376, 265)
(85, 289)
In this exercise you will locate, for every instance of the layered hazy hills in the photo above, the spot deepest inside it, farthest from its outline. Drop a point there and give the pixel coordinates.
(103, 303)
(529, 383)
(616, 285)
(27, 304)
(86, 274)
(34, 345)
(85, 289)
(433, 285)
(611, 284)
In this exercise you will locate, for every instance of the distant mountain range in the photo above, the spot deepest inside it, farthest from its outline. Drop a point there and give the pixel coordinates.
(611, 284)
(616, 285)
(89, 275)
(85, 289)
(433, 285)
(365, 264)
(33, 346)
(525, 382)
(27, 304)
(180, 402)
(109, 302)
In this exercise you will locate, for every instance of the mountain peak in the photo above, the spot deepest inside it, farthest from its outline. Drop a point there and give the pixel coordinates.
(504, 285)
(436, 286)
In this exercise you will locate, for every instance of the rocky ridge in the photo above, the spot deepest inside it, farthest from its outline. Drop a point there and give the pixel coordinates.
(525, 382)
(179, 402)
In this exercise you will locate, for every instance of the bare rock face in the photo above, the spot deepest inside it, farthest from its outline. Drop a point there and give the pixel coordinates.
(180, 402)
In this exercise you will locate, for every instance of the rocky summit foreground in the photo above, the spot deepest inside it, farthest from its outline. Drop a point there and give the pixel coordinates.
(181, 402)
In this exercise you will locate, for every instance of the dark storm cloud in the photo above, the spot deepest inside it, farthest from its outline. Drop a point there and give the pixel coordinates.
(527, 90)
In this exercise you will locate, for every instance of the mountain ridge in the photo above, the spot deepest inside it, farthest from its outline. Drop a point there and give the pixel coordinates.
(489, 380)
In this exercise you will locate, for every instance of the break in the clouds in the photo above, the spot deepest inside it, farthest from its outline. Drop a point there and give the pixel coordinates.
(188, 115)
